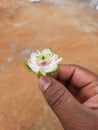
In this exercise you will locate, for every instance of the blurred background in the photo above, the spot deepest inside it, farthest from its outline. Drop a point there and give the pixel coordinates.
(69, 27)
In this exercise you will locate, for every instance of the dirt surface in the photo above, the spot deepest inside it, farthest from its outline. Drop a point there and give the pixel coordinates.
(69, 27)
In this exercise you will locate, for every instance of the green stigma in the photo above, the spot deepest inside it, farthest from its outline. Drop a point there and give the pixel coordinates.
(43, 57)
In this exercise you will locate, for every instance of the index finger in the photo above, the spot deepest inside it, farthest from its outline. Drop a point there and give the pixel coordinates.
(76, 75)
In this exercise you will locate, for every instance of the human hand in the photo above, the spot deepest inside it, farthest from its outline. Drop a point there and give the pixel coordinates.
(73, 96)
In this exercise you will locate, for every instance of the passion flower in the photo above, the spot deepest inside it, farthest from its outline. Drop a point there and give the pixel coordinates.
(43, 62)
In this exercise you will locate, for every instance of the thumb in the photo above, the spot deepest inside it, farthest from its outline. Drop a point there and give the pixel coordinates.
(65, 106)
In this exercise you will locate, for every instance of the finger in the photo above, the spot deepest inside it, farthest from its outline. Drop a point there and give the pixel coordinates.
(86, 92)
(92, 102)
(60, 100)
(75, 75)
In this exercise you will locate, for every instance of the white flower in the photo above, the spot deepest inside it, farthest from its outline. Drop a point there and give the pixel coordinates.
(43, 62)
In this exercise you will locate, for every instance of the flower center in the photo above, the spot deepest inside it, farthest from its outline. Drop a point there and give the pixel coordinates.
(43, 59)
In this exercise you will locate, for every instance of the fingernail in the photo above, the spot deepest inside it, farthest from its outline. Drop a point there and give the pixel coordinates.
(44, 83)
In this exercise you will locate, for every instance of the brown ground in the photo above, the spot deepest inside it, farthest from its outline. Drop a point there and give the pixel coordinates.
(68, 26)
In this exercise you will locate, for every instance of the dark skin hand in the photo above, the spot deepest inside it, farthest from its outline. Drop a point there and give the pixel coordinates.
(73, 96)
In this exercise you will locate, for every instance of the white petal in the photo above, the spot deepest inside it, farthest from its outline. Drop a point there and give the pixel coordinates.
(33, 57)
(54, 57)
(47, 51)
(34, 67)
(49, 68)
(58, 60)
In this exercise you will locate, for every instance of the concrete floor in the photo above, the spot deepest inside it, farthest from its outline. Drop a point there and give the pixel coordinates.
(70, 27)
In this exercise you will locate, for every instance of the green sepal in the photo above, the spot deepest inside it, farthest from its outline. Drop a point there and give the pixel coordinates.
(27, 66)
(51, 49)
(40, 73)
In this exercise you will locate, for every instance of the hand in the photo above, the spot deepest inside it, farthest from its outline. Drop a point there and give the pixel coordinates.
(73, 96)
